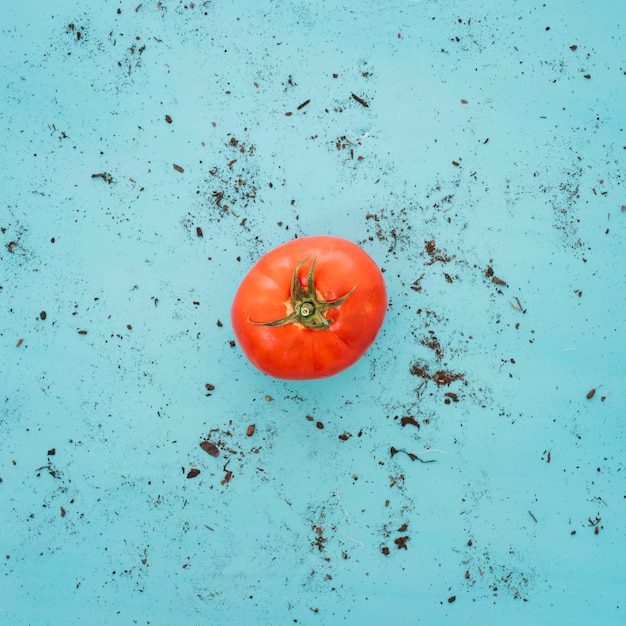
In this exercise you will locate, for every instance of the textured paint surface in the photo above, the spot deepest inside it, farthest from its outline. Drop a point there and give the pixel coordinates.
(459, 473)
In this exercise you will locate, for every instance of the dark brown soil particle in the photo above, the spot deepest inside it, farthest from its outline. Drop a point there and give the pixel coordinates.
(401, 542)
(210, 448)
(409, 419)
(105, 177)
(360, 100)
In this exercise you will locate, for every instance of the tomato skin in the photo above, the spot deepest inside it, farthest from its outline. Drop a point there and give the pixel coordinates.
(293, 351)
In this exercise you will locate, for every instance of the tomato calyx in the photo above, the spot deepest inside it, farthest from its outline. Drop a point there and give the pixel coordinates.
(307, 306)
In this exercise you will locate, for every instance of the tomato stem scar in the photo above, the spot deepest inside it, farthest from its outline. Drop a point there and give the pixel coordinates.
(308, 307)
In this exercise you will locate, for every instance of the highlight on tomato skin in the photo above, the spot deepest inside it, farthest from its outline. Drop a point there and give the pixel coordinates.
(309, 308)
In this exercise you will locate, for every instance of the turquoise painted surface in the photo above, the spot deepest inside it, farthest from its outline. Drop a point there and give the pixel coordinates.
(486, 134)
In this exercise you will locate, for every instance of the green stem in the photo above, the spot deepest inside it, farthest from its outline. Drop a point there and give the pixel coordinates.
(308, 308)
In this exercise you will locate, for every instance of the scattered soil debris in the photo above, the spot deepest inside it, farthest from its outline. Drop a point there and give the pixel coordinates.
(441, 377)
(489, 273)
(416, 286)
(320, 540)
(433, 343)
(435, 254)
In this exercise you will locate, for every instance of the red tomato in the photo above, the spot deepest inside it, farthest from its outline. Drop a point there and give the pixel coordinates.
(309, 308)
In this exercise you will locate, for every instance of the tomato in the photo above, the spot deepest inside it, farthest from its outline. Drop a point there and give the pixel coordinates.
(310, 308)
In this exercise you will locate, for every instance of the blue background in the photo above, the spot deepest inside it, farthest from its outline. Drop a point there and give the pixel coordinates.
(486, 134)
